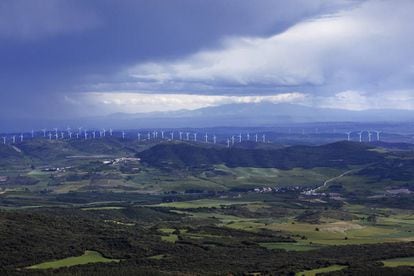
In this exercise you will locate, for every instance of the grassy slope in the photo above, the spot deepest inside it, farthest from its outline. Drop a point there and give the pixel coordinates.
(86, 258)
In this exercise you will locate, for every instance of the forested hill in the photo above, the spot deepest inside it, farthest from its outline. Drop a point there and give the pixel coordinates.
(338, 154)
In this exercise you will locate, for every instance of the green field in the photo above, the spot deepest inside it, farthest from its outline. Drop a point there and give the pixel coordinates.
(409, 261)
(313, 272)
(86, 258)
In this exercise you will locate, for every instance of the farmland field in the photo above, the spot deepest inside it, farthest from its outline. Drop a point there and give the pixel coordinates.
(87, 258)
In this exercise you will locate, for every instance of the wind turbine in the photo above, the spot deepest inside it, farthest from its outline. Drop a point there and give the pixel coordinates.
(14, 139)
(369, 136)
(44, 132)
(248, 136)
(70, 134)
(4, 140)
(104, 132)
(21, 137)
(93, 134)
(349, 135)
(240, 138)
(206, 137)
(110, 131)
(50, 135)
(256, 138)
(149, 136)
(162, 134)
(181, 135)
(188, 136)
(214, 139)
(195, 136)
(86, 135)
(360, 136)
(232, 140)
(77, 135)
(62, 135)
(123, 134)
(32, 133)
(56, 136)
(139, 136)
(378, 134)
(172, 135)
(264, 138)
(228, 142)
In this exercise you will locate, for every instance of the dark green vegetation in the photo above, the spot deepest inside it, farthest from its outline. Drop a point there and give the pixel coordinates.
(332, 155)
(342, 208)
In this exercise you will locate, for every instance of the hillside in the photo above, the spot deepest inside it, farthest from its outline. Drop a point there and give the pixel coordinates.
(339, 154)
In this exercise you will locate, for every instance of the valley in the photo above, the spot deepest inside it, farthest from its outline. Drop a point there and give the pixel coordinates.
(176, 207)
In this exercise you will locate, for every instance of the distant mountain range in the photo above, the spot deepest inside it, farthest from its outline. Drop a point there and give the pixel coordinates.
(246, 114)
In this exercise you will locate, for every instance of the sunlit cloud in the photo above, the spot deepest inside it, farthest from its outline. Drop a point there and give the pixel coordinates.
(143, 102)
(365, 48)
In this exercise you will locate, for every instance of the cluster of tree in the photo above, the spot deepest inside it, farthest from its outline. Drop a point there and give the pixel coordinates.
(34, 236)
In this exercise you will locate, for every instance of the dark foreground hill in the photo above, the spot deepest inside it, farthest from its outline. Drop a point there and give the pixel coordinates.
(331, 155)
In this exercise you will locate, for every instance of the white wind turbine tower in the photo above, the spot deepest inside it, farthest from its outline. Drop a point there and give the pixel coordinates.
(248, 136)
(4, 140)
(232, 140)
(214, 139)
(70, 134)
(77, 135)
(195, 136)
(349, 135)
(123, 134)
(264, 138)
(162, 134)
(378, 134)
(181, 135)
(86, 135)
(110, 131)
(14, 139)
(256, 138)
(94, 134)
(32, 133)
(104, 132)
(139, 136)
(228, 142)
(188, 136)
(155, 134)
(56, 136)
(369, 136)
(149, 136)
(360, 136)
(172, 135)
(44, 132)
(62, 135)
(206, 137)
(50, 135)
(21, 137)
(240, 138)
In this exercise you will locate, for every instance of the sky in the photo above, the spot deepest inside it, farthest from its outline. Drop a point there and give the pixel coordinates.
(74, 58)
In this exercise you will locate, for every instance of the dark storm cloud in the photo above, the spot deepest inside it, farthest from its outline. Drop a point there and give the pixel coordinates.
(49, 49)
